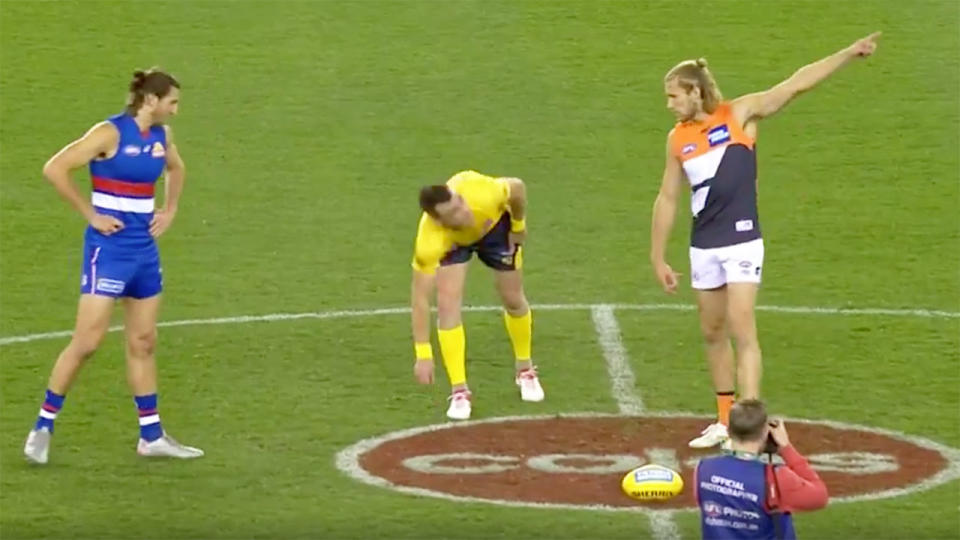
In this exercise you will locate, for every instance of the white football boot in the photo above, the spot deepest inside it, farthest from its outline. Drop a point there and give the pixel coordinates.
(167, 446)
(37, 447)
(529, 383)
(713, 435)
(459, 405)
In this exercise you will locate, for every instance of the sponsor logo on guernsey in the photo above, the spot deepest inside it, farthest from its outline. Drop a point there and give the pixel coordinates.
(687, 148)
(131, 150)
(158, 150)
(744, 225)
(718, 135)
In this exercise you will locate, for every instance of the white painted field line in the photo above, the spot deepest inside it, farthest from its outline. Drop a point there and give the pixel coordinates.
(622, 379)
(338, 314)
(240, 319)
(663, 526)
(628, 398)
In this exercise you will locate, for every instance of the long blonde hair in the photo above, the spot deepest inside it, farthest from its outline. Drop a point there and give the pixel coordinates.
(691, 74)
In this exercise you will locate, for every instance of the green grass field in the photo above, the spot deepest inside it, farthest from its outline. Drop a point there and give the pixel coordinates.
(307, 128)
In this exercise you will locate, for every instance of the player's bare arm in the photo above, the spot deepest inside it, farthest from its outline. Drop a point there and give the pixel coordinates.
(100, 140)
(420, 290)
(173, 186)
(517, 202)
(664, 213)
(767, 103)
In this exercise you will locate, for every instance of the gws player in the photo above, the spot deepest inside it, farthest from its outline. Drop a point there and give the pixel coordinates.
(712, 146)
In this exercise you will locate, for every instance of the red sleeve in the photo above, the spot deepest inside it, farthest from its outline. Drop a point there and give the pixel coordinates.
(800, 486)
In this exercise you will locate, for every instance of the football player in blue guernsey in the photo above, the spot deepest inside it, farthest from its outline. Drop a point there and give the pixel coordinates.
(126, 154)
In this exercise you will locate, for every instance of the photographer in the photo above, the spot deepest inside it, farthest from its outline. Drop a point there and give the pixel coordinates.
(742, 497)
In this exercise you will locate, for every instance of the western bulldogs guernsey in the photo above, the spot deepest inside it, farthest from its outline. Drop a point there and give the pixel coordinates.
(126, 263)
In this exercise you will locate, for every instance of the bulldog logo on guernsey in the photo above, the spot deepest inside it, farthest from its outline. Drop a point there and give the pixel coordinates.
(534, 461)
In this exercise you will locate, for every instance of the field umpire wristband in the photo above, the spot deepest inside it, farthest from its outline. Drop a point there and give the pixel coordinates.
(424, 351)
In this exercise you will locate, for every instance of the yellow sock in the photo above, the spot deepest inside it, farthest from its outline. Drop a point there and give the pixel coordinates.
(453, 347)
(520, 330)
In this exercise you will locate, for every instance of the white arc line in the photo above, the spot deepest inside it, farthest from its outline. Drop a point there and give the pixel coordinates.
(348, 461)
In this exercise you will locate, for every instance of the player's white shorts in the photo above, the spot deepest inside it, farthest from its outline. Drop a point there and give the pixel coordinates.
(715, 267)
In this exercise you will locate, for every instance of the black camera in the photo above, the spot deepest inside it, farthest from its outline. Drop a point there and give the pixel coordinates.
(770, 446)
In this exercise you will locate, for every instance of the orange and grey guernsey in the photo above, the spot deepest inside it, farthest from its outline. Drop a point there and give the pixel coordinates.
(720, 162)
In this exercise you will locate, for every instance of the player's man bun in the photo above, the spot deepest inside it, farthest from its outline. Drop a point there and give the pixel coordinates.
(152, 81)
(139, 77)
(691, 74)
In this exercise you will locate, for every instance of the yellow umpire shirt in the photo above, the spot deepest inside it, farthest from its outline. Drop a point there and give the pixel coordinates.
(487, 198)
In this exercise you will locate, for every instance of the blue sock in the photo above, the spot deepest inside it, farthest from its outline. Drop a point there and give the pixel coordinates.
(52, 404)
(150, 429)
